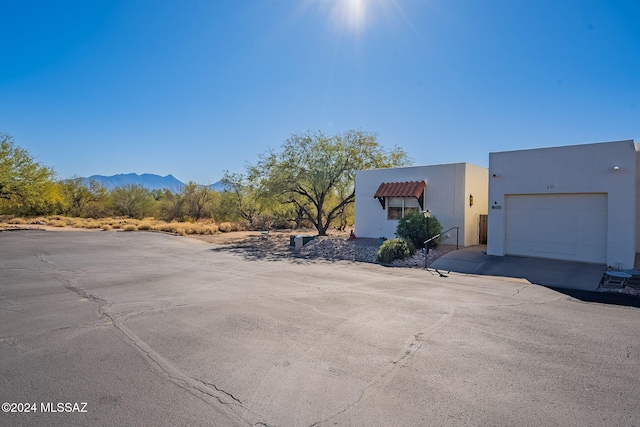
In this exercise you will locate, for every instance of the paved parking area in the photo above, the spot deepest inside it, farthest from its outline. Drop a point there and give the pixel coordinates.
(153, 329)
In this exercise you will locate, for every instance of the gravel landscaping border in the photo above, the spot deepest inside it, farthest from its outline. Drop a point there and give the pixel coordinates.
(330, 248)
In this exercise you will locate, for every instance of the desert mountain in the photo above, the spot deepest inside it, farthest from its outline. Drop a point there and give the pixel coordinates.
(147, 180)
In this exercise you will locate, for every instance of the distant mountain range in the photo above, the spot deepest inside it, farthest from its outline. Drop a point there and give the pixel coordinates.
(147, 180)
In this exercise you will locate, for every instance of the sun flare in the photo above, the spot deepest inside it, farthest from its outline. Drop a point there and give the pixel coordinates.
(347, 15)
(355, 16)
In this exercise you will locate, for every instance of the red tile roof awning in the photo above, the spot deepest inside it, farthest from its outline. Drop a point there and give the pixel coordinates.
(401, 189)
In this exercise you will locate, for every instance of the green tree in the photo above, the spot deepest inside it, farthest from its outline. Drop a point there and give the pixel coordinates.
(170, 205)
(133, 201)
(26, 186)
(87, 200)
(198, 200)
(239, 199)
(316, 173)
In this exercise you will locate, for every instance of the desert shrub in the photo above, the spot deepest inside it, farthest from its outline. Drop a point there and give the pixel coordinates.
(225, 227)
(394, 249)
(179, 228)
(106, 227)
(198, 228)
(66, 219)
(92, 224)
(130, 227)
(145, 225)
(413, 228)
(76, 223)
(17, 221)
(166, 227)
(187, 229)
(210, 229)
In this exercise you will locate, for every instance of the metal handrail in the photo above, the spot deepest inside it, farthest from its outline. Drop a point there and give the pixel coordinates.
(426, 243)
(440, 234)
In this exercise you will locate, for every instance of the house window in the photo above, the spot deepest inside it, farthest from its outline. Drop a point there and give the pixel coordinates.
(399, 207)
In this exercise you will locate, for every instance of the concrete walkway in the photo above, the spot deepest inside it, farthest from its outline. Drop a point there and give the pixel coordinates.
(551, 273)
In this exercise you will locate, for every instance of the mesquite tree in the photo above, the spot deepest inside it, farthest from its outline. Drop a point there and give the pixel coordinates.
(315, 172)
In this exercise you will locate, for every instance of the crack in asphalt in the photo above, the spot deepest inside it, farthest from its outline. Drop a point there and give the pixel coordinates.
(195, 386)
(520, 289)
(411, 347)
(220, 390)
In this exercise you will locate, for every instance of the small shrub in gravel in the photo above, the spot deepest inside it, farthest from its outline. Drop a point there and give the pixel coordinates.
(413, 228)
(394, 249)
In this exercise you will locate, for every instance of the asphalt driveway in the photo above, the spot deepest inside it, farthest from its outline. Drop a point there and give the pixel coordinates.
(153, 329)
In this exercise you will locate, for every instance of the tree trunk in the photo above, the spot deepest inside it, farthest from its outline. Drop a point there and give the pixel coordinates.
(322, 231)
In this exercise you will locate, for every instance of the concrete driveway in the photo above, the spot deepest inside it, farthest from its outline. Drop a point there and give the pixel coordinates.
(153, 329)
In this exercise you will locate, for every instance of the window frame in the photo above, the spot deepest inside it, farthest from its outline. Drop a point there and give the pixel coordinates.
(399, 204)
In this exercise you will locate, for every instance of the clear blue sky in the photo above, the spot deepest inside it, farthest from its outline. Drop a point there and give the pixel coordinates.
(192, 88)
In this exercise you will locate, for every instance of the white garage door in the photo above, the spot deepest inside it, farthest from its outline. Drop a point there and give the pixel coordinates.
(560, 226)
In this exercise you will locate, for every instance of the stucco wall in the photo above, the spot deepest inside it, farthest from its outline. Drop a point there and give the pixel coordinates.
(585, 169)
(476, 184)
(446, 196)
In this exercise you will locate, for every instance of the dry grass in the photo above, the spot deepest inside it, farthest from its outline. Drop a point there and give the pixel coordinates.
(205, 228)
(145, 226)
(225, 227)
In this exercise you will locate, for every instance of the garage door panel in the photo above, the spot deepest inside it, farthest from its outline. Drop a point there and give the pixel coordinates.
(557, 226)
(561, 226)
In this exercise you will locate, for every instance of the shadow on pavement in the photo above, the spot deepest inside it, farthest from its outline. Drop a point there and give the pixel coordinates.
(252, 253)
(269, 251)
(602, 297)
(575, 279)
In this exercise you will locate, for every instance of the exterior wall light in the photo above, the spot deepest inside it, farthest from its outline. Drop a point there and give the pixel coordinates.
(470, 200)
(616, 168)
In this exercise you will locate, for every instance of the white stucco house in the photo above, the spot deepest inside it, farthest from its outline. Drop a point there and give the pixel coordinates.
(454, 193)
(577, 203)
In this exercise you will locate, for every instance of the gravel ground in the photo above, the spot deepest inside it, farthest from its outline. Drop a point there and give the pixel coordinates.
(331, 248)
(364, 250)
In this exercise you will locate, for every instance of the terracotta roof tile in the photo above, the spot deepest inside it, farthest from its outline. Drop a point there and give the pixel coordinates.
(400, 189)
